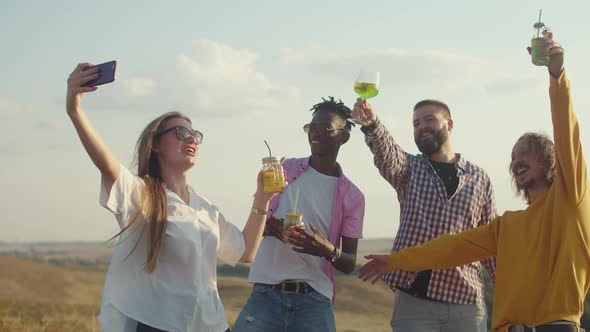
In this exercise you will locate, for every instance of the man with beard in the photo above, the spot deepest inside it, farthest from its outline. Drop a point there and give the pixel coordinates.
(542, 251)
(439, 193)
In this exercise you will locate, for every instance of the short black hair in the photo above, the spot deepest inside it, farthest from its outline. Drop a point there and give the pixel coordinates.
(432, 102)
(337, 107)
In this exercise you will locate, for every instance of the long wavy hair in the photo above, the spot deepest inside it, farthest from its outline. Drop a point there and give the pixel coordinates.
(154, 205)
(542, 146)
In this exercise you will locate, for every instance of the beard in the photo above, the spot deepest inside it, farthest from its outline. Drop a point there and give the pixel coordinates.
(523, 185)
(526, 184)
(433, 144)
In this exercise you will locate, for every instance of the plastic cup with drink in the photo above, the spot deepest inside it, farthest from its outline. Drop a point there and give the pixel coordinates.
(293, 219)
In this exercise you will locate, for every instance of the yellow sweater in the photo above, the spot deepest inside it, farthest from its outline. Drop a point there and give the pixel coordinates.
(543, 252)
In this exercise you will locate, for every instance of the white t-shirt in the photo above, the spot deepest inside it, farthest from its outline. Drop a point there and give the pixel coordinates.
(276, 261)
(181, 294)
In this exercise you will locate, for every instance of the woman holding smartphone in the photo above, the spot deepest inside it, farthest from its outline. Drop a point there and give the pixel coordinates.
(162, 276)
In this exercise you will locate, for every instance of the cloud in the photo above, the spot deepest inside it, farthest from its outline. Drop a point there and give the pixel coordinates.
(435, 72)
(139, 87)
(211, 79)
(219, 80)
(413, 66)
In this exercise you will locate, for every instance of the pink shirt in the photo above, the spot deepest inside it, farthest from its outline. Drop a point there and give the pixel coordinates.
(348, 210)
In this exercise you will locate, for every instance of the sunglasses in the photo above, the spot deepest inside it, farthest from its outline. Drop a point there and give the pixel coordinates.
(183, 133)
(321, 129)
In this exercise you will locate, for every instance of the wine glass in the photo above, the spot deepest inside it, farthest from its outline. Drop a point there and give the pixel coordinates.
(366, 86)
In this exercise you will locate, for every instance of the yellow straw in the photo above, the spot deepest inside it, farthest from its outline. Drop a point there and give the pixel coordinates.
(296, 199)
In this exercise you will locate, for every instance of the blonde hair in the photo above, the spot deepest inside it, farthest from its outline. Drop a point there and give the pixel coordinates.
(154, 205)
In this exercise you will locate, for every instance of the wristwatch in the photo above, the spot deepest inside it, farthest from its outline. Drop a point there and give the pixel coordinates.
(334, 255)
(371, 127)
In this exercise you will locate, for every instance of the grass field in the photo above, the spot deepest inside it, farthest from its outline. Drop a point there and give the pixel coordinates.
(37, 297)
(41, 297)
(57, 287)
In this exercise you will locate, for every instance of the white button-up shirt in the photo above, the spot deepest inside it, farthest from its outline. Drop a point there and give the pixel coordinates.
(181, 294)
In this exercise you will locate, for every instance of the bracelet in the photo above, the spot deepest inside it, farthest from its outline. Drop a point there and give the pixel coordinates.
(371, 127)
(259, 211)
(334, 255)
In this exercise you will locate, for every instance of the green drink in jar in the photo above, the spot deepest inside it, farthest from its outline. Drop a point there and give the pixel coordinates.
(538, 55)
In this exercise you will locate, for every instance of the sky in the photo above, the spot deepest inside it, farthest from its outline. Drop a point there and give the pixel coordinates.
(246, 72)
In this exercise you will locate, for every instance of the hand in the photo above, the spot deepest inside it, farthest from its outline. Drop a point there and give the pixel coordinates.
(363, 113)
(554, 50)
(75, 89)
(274, 227)
(312, 244)
(374, 269)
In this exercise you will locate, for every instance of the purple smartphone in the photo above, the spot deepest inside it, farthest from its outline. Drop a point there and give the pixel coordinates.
(106, 73)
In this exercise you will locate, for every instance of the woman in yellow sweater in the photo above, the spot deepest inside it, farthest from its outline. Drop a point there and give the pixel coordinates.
(542, 252)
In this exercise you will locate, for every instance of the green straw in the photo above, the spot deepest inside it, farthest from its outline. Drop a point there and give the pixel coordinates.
(539, 28)
(296, 199)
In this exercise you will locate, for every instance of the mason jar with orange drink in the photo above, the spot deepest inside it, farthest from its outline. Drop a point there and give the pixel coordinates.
(274, 175)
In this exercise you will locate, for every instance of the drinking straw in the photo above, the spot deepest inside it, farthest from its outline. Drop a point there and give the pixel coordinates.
(539, 25)
(296, 199)
(268, 147)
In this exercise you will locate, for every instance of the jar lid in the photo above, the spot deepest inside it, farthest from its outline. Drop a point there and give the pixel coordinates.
(539, 25)
(294, 216)
(271, 160)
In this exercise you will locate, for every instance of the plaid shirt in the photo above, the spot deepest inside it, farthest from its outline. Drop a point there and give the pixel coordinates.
(426, 213)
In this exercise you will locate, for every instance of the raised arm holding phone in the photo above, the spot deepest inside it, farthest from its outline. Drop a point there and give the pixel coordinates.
(162, 276)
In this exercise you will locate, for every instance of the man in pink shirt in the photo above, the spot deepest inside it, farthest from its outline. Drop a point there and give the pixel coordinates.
(293, 272)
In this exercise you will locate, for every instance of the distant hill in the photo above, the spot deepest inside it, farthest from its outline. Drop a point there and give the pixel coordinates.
(98, 254)
(90, 254)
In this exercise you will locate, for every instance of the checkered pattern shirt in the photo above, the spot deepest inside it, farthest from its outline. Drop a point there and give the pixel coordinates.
(426, 213)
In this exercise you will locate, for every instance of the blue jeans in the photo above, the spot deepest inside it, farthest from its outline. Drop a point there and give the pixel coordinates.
(413, 314)
(271, 310)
